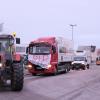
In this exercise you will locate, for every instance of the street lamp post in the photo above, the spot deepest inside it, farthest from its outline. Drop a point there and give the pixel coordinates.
(73, 25)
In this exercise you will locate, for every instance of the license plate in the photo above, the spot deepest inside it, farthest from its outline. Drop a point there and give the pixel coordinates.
(38, 68)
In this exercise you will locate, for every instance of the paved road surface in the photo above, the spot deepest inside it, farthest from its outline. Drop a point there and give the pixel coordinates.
(75, 85)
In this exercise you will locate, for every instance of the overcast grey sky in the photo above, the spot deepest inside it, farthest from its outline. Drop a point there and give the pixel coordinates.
(31, 19)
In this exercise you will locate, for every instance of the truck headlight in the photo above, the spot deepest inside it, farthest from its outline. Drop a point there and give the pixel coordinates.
(48, 66)
(83, 63)
(1, 65)
(30, 66)
(72, 63)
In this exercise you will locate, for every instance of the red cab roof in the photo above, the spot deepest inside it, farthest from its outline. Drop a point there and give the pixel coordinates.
(50, 40)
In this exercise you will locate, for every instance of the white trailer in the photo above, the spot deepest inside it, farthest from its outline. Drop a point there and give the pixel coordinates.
(65, 50)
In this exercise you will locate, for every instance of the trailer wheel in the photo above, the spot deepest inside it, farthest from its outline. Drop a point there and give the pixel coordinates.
(73, 68)
(68, 67)
(17, 77)
(65, 71)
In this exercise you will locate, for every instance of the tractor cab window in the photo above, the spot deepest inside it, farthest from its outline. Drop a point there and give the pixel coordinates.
(3, 45)
(2, 48)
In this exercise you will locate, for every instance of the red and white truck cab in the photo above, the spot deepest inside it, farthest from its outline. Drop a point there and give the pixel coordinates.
(50, 55)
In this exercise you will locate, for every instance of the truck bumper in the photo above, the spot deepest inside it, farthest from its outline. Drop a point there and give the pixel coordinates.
(78, 66)
(42, 71)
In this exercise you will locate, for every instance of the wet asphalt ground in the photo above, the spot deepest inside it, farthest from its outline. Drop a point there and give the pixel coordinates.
(75, 85)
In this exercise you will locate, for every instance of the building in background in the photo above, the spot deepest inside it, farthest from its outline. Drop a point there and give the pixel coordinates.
(90, 48)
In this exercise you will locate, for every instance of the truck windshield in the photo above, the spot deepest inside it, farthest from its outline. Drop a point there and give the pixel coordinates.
(79, 58)
(4, 44)
(40, 49)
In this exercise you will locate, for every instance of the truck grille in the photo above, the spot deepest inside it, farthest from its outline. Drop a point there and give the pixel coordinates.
(38, 68)
(77, 64)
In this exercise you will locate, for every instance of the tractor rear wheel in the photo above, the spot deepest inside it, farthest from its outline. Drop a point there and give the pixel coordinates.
(17, 77)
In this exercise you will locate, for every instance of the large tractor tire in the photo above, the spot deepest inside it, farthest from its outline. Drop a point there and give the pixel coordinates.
(17, 77)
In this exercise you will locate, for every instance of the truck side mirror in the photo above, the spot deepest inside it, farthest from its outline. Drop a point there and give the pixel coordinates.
(53, 49)
(17, 40)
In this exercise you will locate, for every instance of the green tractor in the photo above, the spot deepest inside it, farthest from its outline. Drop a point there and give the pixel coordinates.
(11, 66)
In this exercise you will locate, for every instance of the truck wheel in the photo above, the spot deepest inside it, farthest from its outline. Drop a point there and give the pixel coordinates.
(88, 67)
(73, 68)
(84, 68)
(56, 71)
(34, 74)
(17, 77)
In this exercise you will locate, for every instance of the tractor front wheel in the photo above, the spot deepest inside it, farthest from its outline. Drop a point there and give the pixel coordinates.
(17, 77)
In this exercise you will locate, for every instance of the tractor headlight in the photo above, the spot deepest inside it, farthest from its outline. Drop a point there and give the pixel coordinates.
(1, 65)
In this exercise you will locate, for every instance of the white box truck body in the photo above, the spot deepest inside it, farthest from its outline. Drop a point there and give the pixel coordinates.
(82, 60)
